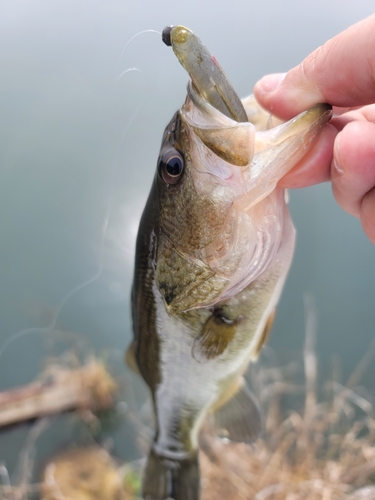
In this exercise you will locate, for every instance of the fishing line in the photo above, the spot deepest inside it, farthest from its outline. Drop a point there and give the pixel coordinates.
(127, 71)
(112, 179)
(24, 469)
(82, 285)
(133, 116)
(4, 475)
(126, 46)
(130, 70)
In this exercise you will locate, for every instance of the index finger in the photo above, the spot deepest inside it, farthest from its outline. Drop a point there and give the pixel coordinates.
(341, 72)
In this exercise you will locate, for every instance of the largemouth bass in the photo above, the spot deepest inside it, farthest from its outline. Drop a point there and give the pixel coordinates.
(214, 246)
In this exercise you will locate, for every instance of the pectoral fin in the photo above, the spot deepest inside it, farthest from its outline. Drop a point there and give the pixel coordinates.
(239, 419)
(214, 338)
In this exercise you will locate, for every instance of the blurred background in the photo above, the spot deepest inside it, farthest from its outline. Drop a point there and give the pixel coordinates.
(83, 105)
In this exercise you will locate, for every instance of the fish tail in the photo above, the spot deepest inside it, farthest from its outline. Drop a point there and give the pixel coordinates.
(166, 478)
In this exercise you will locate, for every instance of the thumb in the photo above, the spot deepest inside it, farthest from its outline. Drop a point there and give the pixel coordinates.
(341, 72)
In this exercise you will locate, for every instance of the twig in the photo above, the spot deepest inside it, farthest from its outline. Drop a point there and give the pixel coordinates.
(60, 389)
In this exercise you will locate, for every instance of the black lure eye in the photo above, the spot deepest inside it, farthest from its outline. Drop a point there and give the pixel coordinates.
(171, 166)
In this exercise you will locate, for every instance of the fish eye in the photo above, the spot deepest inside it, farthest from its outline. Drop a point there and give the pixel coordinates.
(171, 166)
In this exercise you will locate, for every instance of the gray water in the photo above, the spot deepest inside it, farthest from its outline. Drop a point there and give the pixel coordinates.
(79, 138)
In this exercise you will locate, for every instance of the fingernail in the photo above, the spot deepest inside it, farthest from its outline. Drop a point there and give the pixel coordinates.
(336, 155)
(270, 83)
(337, 166)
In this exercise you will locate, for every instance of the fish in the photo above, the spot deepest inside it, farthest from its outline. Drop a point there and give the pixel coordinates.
(213, 250)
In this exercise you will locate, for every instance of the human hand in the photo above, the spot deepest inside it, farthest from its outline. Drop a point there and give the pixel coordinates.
(342, 73)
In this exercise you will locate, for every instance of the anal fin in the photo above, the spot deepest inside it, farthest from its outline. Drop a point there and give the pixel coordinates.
(239, 419)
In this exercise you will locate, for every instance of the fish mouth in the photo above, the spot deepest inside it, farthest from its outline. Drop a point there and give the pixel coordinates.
(230, 140)
(235, 158)
(224, 123)
(253, 155)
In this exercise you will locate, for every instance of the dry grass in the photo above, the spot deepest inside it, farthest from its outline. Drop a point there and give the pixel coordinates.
(83, 474)
(64, 384)
(326, 451)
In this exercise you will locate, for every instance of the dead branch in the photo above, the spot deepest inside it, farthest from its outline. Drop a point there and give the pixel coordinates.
(59, 389)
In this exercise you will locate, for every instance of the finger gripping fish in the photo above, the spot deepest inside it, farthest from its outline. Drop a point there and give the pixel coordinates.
(214, 246)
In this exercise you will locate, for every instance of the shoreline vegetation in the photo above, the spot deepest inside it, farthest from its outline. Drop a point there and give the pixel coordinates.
(58, 389)
(324, 450)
